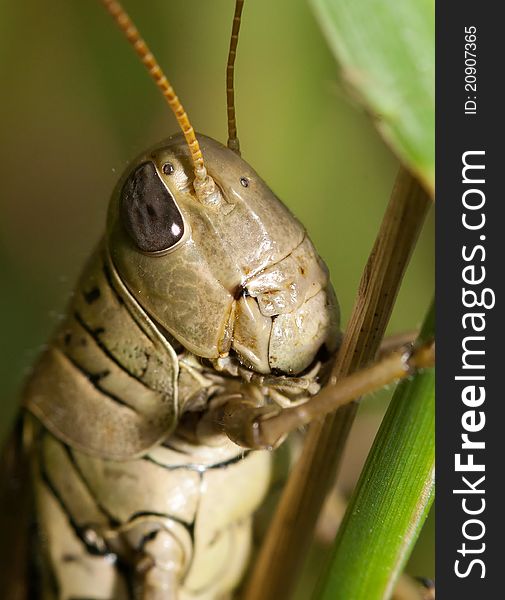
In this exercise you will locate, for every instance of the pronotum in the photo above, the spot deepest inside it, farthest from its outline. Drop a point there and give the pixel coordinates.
(203, 310)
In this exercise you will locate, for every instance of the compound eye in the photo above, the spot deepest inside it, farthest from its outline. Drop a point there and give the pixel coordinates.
(149, 212)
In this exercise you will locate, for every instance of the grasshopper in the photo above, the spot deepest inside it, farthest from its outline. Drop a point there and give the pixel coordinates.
(198, 337)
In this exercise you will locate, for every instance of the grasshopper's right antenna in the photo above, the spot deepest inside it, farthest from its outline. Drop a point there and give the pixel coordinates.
(233, 142)
(205, 188)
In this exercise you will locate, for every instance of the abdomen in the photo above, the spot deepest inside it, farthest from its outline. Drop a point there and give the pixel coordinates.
(96, 516)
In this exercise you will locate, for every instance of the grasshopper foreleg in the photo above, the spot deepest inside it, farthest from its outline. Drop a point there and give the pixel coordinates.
(266, 427)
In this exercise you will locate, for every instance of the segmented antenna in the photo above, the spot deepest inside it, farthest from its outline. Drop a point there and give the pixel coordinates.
(233, 142)
(204, 184)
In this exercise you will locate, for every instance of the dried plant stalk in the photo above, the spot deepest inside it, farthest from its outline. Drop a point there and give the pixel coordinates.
(289, 535)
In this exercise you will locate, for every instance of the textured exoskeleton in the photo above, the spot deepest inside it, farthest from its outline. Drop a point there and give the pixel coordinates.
(183, 305)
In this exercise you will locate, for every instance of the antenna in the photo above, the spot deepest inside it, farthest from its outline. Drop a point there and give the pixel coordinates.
(233, 142)
(204, 185)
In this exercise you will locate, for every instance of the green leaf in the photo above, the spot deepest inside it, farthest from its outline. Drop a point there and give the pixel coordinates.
(386, 50)
(392, 498)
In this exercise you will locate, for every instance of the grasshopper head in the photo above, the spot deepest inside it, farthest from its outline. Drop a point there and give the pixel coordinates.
(236, 275)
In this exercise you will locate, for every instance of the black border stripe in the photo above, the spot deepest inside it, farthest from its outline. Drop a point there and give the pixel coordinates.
(77, 529)
(107, 352)
(199, 468)
(94, 381)
(113, 521)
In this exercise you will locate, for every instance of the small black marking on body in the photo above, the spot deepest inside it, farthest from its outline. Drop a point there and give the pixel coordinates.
(190, 527)
(92, 296)
(68, 558)
(96, 377)
(147, 538)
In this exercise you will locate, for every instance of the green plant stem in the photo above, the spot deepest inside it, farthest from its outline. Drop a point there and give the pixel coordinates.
(392, 498)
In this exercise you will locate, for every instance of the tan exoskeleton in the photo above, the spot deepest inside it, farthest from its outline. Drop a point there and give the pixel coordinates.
(200, 328)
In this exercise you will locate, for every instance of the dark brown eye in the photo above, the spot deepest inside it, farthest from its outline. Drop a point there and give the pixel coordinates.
(149, 212)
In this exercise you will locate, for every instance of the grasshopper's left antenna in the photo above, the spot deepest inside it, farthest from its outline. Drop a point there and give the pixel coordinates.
(205, 188)
(233, 142)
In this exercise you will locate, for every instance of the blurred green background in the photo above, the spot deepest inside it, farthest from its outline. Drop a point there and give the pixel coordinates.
(76, 106)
